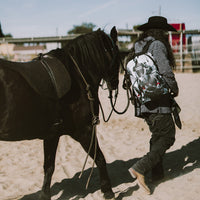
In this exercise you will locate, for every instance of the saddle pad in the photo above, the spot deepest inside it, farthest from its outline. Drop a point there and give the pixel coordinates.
(49, 79)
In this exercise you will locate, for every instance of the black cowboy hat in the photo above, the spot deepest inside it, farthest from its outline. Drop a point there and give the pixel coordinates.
(156, 22)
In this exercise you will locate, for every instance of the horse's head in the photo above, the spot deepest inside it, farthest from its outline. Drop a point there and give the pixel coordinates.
(97, 56)
(112, 64)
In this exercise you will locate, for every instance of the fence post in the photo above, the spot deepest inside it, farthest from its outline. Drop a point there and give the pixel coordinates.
(181, 49)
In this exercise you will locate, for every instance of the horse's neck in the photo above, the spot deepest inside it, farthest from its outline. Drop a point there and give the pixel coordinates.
(92, 81)
(88, 72)
(59, 54)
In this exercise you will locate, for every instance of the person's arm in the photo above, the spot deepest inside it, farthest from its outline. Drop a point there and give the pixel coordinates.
(159, 52)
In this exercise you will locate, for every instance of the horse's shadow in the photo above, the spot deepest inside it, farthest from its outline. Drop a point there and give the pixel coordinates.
(176, 163)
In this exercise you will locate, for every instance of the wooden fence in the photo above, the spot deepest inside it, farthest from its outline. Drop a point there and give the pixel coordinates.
(187, 57)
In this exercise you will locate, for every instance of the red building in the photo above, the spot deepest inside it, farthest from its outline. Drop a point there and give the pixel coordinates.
(176, 38)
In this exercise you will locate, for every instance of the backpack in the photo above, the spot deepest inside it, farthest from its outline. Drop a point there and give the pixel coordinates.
(147, 83)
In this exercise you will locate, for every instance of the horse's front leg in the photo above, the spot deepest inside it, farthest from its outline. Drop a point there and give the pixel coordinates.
(50, 147)
(100, 162)
(104, 178)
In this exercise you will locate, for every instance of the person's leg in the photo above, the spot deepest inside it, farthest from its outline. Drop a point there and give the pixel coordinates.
(163, 136)
(157, 171)
(168, 136)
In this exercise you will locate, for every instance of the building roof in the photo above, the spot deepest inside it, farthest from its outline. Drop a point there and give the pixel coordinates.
(28, 48)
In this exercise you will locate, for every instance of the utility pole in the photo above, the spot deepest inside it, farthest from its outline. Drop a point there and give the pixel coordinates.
(159, 10)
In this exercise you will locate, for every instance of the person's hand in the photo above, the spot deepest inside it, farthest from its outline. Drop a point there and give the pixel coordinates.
(126, 82)
(174, 94)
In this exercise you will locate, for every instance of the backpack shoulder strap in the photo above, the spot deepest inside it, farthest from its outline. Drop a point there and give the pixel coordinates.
(145, 48)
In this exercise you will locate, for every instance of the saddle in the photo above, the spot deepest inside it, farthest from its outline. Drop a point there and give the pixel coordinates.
(46, 75)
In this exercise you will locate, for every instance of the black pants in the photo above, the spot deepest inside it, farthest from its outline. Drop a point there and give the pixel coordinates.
(163, 136)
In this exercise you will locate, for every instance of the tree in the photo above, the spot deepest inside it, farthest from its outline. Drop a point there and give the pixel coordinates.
(83, 28)
(1, 32)
(4, 35)
(136, 27)
(8, 35)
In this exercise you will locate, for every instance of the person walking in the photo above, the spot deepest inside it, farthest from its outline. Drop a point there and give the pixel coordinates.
(158, 113)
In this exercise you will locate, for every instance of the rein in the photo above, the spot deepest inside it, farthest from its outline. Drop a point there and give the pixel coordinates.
(116, 94)
(95, 122)
(103, 115)
(129, 97)
(116, 52)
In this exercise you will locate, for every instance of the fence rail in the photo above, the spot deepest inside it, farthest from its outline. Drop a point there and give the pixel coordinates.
(187, 56)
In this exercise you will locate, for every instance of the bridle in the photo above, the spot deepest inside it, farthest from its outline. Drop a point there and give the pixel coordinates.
(128, 92)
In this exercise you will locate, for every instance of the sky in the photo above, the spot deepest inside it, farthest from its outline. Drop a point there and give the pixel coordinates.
(40, 18)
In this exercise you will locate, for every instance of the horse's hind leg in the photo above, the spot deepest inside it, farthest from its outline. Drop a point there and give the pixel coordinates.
(50, 147)
(100, 162)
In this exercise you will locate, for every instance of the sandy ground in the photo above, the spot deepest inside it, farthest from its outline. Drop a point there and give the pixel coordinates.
(123, 140)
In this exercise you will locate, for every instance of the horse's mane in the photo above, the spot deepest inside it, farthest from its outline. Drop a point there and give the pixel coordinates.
(88, 51)
(89, 48)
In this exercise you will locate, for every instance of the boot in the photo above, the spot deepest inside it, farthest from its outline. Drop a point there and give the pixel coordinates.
(140, 180)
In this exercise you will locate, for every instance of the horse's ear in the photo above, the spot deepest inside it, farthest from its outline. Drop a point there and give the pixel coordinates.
(113, 34)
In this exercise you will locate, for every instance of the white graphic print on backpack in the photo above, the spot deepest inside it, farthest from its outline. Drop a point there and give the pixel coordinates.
(147, 82)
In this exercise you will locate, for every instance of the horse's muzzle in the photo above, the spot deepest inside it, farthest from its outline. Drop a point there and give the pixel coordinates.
(113, 85)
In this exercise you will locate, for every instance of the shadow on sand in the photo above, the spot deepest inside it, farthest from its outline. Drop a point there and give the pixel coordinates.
(176, 163)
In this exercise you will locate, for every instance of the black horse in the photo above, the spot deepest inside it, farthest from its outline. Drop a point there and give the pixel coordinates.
(28, 110)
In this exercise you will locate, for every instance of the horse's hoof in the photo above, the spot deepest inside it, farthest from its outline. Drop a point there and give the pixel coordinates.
(44, 196)
(109, 195)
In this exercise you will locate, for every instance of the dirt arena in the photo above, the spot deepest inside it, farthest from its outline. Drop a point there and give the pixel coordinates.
(123, 140)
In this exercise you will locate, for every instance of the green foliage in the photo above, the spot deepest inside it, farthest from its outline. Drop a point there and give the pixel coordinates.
(4, 35)
(83, 28)
(135, 27)
(8, 35)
